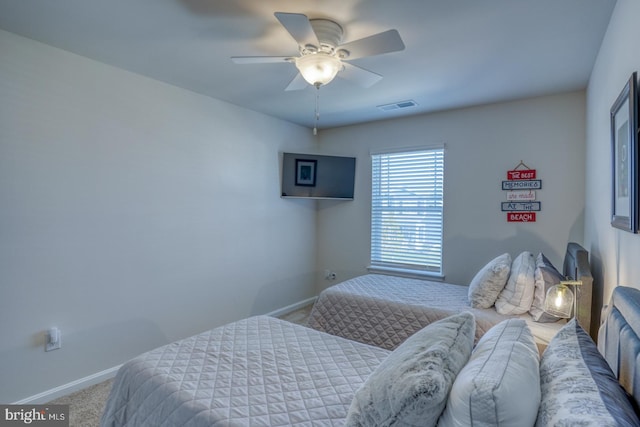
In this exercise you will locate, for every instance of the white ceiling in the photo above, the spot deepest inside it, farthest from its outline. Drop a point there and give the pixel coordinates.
(458, 52)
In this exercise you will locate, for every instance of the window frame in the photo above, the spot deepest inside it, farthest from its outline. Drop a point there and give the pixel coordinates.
(376, 263)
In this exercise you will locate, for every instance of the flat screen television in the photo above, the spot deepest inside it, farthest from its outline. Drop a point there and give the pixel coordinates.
(318, 177)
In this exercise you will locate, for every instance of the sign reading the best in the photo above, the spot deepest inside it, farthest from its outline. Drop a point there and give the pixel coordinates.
(516, 175)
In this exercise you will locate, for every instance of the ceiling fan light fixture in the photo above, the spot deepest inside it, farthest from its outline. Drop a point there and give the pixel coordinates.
(318, 68)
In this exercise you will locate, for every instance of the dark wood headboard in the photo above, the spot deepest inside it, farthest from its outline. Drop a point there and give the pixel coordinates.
(577, 267)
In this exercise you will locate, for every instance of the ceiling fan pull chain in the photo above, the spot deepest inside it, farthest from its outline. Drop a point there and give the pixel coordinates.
(317, 112)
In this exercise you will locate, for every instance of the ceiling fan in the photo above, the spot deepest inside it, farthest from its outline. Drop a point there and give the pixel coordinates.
(322, 56)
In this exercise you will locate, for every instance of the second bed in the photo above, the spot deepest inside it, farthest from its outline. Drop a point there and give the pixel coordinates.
(385, 310)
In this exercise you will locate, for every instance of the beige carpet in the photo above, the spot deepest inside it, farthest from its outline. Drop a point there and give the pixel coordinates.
(86, 406)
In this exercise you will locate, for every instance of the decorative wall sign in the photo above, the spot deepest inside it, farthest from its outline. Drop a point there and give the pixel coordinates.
(520, 183)
(521, 216)
(520, 206)
(521, 195)
(513, 175)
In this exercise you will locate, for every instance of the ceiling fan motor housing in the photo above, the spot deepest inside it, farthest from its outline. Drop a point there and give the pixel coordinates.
(329, 34)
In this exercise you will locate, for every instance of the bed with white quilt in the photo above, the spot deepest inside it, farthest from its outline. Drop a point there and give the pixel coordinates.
(385, 310)
(264, 371)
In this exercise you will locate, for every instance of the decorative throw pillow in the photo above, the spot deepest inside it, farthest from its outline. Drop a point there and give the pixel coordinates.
(545, 276)
(578, 386)
(500, 385)
(410, 387)
(517, 295)
(489, 281)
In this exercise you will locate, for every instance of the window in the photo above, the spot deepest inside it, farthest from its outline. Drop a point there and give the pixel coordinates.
(406, 211)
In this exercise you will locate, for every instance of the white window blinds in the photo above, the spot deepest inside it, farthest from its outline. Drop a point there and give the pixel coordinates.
(406, 210)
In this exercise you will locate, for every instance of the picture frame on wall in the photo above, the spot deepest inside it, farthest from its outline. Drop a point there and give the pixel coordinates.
(306, 171)
(624, 154)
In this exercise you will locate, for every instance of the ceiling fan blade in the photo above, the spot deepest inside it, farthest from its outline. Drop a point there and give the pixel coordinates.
(377, 44)
(260, 59)
(298, 83)
(299, 27)
(359, 75)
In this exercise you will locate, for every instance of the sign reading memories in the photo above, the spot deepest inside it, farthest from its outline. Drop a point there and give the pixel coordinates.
(535, 184)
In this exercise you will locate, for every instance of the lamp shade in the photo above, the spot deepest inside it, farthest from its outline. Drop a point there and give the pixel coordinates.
(559, 301)
(318, 68)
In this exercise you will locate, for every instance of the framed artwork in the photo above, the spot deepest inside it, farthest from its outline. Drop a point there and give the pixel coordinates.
(624, 154)
(306, 172)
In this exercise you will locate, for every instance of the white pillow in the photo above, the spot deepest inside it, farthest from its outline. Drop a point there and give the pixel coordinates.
(517, 295)
(500, 385)
(410, 387)
(489, 282)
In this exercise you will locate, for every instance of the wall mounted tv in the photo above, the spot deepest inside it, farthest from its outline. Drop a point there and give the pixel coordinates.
(318, 177)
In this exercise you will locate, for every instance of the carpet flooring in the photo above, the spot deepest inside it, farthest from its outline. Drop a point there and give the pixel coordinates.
(86, 405)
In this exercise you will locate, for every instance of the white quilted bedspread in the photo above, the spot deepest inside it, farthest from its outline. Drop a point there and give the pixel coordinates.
(385, 310)
(260, 371)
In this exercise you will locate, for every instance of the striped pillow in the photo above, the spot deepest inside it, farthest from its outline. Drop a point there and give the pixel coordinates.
(500, 385)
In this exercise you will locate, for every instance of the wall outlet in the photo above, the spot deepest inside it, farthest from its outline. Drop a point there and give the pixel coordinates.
(329, 275)
(54, 339)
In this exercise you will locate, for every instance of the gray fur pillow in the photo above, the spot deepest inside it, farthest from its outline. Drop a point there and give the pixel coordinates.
(489, 282)
(411, 386)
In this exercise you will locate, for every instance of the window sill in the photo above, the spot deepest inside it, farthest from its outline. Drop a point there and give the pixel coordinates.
(405, 272)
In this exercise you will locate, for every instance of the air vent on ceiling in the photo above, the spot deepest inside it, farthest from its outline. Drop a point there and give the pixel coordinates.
(398, 105)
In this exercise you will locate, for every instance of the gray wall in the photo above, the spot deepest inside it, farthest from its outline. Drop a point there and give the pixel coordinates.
(614, 253)
(482, 143)
(133, 213)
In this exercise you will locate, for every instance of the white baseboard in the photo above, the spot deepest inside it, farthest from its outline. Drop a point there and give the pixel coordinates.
(293, 307)
(73, 386)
